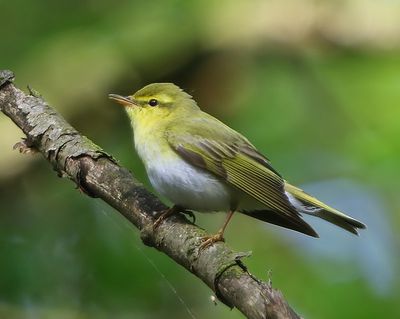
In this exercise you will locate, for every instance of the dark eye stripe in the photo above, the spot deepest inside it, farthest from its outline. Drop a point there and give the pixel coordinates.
(153, 102)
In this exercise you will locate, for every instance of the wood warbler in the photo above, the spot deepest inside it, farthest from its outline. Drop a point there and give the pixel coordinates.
(201, 164)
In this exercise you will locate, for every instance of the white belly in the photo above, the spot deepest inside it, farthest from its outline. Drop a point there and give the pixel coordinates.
(188, 186)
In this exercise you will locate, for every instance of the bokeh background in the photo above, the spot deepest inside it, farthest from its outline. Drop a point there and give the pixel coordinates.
(315, 85)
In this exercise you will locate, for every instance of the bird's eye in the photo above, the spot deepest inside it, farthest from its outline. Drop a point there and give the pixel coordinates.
(153, 102)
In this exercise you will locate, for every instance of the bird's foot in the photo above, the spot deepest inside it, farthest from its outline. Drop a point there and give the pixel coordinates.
(168, 212)
(207, 241)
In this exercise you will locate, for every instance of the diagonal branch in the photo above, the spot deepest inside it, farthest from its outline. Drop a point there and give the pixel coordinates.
(98, 175)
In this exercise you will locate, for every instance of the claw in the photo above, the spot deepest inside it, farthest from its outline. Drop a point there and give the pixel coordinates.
(166, 213)
(210, 240)
(190, 214)
(219, 236)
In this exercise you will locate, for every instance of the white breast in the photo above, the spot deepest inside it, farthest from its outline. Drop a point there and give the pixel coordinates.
(188, 186)
(182, 183)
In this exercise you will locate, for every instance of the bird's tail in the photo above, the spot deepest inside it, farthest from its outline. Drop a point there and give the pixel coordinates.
(307, 204)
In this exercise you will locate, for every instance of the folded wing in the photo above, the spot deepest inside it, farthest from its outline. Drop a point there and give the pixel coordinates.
(214, 147)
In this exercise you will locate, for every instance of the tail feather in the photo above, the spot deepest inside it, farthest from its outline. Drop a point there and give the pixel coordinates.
(307, 204)
(279, 219)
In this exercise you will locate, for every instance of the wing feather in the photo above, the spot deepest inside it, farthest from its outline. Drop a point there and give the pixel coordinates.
(263, 187)
(228, 155)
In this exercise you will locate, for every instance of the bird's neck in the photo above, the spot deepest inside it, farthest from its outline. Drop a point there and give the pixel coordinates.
(149, 138)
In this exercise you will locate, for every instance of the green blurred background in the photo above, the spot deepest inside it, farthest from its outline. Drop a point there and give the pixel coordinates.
(315, 85)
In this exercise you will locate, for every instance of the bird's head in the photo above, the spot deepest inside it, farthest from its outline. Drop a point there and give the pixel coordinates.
(156, 101)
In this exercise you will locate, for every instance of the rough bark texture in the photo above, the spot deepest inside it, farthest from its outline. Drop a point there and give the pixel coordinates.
(98, 175)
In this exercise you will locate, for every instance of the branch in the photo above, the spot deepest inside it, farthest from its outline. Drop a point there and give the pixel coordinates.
(98, 175)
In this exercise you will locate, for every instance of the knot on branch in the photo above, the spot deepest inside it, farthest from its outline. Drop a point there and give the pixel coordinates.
(6, 76)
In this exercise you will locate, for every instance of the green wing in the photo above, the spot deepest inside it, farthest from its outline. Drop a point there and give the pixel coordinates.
(209, 144)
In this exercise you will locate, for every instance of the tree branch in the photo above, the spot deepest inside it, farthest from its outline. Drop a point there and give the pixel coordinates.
(98, 175)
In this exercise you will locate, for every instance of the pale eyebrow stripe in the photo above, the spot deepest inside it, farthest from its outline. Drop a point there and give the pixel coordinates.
(163, 98)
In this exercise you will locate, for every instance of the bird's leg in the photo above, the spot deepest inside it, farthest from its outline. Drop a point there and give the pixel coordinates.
(219, 236)
(166, 213)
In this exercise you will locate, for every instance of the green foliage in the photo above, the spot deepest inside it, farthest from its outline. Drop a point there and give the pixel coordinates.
(325, 114)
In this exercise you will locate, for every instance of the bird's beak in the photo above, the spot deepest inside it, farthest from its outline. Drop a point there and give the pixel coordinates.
(123, 100)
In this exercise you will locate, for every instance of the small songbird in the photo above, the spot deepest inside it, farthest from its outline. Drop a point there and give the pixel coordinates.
(201, 164)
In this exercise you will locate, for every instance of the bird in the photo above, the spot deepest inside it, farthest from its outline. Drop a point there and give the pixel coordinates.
(201, 164)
